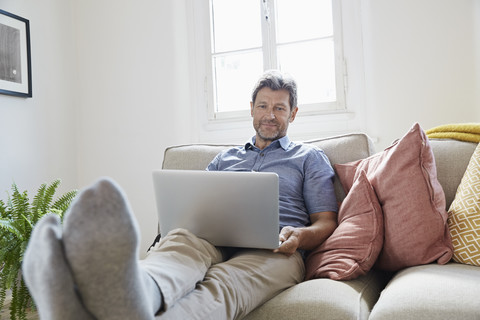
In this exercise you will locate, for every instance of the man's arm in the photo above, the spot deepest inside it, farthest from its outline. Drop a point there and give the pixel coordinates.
(308, 238)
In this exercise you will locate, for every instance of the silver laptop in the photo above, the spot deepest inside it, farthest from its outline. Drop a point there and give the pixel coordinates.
(235, 209)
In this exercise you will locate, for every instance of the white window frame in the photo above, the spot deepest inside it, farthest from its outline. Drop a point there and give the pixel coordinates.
(345, 114)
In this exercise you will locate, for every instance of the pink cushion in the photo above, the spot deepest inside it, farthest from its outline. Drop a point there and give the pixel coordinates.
(354, 246)
(413, 203)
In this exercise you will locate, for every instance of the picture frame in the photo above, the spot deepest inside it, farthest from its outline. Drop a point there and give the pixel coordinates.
(15, 59)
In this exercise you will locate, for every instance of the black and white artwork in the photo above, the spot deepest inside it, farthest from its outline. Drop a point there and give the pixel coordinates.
(15, 69)
(10, 64)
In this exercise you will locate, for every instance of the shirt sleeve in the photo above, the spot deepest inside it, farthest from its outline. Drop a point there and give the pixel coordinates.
(318, 189)
(213, 165)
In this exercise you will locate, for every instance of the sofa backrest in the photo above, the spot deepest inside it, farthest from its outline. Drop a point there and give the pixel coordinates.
(451, 157)
(339, 149)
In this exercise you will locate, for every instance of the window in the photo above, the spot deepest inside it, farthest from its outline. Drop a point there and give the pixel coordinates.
(320, 42)
(299, 37)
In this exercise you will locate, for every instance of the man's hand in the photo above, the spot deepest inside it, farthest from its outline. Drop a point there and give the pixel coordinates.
(307, 238)
(289, 239)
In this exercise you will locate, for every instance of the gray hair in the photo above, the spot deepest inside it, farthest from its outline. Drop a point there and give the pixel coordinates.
(277, 80)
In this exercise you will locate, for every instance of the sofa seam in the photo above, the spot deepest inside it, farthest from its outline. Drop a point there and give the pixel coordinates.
(364, 288)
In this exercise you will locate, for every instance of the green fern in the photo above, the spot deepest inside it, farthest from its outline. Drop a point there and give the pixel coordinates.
(17, 218)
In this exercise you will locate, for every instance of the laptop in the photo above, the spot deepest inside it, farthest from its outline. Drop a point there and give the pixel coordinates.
(234, 209)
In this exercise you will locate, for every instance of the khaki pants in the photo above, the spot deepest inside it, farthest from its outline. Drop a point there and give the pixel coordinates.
(197, 282)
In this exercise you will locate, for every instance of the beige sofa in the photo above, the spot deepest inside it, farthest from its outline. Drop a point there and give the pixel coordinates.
(433, 291)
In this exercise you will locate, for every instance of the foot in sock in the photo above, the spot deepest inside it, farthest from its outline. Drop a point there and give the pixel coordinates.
(48, 276)
(101, 245)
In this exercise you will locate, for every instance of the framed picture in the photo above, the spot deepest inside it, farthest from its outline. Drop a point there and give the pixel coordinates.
(15, 64)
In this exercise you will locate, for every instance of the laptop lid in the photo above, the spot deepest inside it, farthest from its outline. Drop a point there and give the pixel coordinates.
(235, 209)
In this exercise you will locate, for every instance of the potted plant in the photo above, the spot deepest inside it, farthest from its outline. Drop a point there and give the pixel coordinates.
(17, 218)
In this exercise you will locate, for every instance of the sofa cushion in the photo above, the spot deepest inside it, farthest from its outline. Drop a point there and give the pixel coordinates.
(412, 199)
(464, 215)
(429, 292)
(354, 246)
(325, 299)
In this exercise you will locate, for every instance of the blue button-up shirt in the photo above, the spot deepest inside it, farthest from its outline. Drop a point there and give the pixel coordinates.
(305, 176)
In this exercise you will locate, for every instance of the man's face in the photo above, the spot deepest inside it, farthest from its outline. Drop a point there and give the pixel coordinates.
(272, 113)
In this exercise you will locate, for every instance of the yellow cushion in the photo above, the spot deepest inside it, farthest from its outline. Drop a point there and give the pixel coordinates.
(464, 215)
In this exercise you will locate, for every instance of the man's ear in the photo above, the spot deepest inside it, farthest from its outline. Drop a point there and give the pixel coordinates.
(251, 108)
(293, 114)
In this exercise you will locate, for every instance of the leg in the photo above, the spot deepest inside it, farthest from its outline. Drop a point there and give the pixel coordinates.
(101, 246)
(178, 262)
(232, 289)
(48, 276)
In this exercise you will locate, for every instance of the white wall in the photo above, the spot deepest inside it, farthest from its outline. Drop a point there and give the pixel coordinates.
(38, 135)
(132, 97)
(420, 64)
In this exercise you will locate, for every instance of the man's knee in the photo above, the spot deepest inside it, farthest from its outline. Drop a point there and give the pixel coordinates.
(183, 241)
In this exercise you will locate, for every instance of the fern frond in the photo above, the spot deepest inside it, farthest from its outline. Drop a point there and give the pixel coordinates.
(14, 302)
(63, 203)
(23, 298)
(7, 225)
(8, 246)
(19, 203)
(3, 292)
(49, 192)
(3, 209)
(12, 267)
(22, 249)
(37, 203)
(27, 222)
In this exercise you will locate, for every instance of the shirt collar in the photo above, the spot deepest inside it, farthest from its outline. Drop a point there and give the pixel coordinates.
(284, 143)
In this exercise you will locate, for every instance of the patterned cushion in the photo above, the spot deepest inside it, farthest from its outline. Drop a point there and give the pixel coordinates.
(464, 215)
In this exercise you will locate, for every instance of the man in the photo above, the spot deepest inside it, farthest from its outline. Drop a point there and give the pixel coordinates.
(90, 270)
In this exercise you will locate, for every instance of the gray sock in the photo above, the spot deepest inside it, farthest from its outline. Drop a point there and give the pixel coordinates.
(48, 276)
(101, 245)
